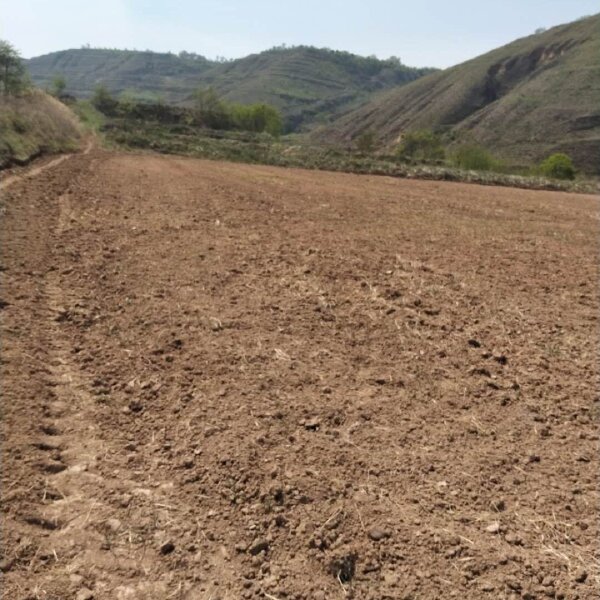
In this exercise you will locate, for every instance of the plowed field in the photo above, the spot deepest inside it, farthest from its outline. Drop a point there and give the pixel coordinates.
(225, 381)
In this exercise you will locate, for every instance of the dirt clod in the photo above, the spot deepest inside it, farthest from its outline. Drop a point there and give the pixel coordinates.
(378, 533)
(167, 548)
(258, 546)
(344, 567)
(580, 576)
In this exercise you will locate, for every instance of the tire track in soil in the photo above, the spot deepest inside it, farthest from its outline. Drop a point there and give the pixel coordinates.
(84, 544)
(92, 522)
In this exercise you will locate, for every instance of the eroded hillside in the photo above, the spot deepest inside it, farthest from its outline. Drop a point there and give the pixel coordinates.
(538, 95)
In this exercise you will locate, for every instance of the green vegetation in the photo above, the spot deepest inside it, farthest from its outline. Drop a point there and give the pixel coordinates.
(474, 158)
(31, 122)
(103, 101)
(308, 86)
(59, 85)
(256, 117)
(91, 118)
(208, 111)
(13, 79)
(558, 166)
(421, 146)
(189, 139)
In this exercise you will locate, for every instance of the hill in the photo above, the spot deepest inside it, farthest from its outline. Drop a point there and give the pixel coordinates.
(35, 123)
(535, 96)
(307, 84)
(149, 74)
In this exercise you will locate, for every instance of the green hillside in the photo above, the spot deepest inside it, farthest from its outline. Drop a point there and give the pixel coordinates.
(307, 84)
(535, 96)
(146, 73)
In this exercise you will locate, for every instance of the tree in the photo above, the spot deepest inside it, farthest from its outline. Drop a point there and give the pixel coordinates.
(12, 71)
(127, 103)
(257, 118)
(265, 118)
(558, 166)
(103, 101)
(208, 108)
(206, 100)
(59, 85)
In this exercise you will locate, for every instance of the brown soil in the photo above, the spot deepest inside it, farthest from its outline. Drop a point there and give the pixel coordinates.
(227, 381)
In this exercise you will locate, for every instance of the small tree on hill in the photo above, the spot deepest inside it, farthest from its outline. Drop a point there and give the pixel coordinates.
(59, 85)
(12, 71)
(209, 110)
(127, 103)
(103, 101)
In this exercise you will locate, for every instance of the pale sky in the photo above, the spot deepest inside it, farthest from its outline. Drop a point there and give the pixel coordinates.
(434, 33)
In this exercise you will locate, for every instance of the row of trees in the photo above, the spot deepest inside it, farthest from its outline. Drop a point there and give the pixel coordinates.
(207, 110)
(210, 110)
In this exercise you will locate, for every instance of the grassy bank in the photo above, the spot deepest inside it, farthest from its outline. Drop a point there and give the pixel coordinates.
(34, 123)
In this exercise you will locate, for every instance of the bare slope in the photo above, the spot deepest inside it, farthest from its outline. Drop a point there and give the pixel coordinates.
(307, 84)
(534, 96)
(34, 123)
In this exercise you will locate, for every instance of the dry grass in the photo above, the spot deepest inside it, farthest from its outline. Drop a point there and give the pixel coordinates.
(33, 124)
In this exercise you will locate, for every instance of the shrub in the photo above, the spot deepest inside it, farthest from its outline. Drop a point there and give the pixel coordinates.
(474, 158)
(421, 146)
(558, 166)
(258, 118)
(210, 111)
(104, 102)
(90, 116)
(58, 87)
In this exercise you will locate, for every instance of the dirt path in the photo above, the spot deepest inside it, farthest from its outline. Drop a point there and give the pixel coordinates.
(226, 381)
(33, 171)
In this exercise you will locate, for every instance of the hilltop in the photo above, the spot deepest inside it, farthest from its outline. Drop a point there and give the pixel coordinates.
(523, 101)
(309, 85)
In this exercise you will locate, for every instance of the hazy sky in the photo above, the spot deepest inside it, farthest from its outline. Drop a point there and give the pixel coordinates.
(421, 32)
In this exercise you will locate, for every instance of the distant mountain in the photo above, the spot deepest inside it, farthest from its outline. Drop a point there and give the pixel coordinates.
(307, 84)
(535, 96)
